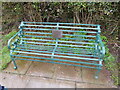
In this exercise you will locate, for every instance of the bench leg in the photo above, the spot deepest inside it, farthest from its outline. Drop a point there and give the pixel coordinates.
(97, 74)
(15, 65)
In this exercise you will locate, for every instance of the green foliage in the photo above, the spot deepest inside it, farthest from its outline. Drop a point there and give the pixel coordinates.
(8, 36)
(111, 65)
(110, 62)
(105, 40)
(104, 13)
(5, 57)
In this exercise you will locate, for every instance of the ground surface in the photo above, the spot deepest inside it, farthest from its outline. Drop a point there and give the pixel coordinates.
(46, 75)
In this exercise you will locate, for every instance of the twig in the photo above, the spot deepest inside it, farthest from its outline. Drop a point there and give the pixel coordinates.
(113, 29)
(76, 14)
(116, 45)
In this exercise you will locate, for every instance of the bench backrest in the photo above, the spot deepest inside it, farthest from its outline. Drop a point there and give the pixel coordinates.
(73, 34)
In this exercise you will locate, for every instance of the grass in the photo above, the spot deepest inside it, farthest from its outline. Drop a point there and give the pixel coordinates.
(5, 54)
(5, 57)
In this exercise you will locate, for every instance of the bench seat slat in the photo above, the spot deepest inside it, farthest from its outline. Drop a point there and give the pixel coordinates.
(60, 51)
(58, 56)
(58, 48)
(35, 50)
(58, 63)
(62, 60)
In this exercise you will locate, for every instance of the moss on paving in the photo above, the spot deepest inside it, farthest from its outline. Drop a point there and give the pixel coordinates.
(5, 54)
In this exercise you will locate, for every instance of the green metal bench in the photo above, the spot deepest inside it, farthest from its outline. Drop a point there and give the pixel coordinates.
(60, 43)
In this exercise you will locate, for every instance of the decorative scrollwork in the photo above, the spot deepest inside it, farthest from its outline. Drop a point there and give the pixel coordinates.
(14, 44)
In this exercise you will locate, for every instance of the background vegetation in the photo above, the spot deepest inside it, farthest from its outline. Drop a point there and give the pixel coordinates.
(104, 13)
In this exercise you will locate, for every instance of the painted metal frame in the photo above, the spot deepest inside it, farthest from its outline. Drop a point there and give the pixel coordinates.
(17, 45)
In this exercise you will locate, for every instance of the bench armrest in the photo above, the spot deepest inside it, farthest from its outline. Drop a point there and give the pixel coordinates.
(100, 46)
(14, 43)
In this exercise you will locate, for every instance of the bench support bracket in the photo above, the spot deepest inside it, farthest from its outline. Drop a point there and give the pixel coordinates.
(55, 48)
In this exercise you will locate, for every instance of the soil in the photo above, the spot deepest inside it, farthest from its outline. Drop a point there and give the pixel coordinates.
(113, 48)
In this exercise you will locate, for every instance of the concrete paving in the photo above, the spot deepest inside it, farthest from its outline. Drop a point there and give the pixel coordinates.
(87, 75)
(41, 69)
(70, 73)
(23, 66)
(46, 75)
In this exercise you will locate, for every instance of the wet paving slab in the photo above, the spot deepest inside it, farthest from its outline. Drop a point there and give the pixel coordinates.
(22, 67)
(10, 80)
(0, 77)
(88, 75)
(46, 75)
(89, 85)
(39, 82)
(14, 80)
(68, 73)
(24, 81)
(41, 69)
